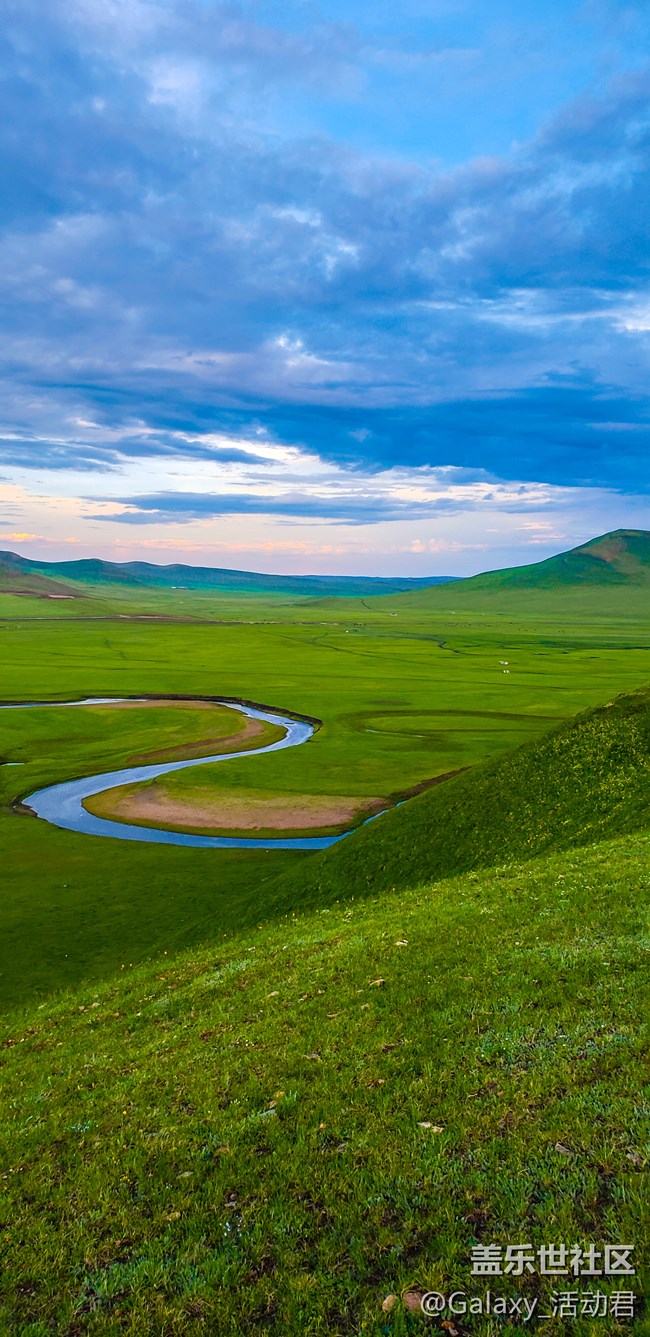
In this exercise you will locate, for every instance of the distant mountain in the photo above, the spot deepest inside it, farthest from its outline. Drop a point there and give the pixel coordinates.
(619, 558)
(93, 571)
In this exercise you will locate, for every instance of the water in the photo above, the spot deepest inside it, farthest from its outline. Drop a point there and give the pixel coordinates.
(62, 804)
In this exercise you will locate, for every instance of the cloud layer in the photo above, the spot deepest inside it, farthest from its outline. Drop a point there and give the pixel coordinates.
(377, 241)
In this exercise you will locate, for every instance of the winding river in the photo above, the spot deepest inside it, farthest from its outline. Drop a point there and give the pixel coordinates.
(63, 804)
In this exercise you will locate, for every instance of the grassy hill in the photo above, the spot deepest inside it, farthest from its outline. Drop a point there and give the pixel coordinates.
(587, 780)
(619, 558)
(149, 575)
(276, 1132)
(582, 584)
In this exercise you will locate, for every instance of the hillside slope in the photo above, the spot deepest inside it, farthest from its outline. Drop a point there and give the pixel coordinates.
(273, 1134)
(587, 780)
(25, 582)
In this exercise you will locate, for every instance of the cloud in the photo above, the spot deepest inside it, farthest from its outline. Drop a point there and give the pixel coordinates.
(187, 276)
(340, 496)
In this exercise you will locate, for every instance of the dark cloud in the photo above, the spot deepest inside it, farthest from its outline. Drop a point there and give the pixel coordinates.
(340, 508)
(164, 507)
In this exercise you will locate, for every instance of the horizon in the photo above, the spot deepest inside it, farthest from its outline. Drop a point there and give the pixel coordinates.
(337, 289)
(308, 575)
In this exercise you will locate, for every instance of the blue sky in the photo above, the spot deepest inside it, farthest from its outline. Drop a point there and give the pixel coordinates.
(324, 287)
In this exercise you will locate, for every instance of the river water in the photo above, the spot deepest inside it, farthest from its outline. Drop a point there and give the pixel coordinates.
(62, 804)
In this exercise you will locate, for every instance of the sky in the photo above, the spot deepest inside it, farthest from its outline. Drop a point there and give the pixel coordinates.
(323, 287)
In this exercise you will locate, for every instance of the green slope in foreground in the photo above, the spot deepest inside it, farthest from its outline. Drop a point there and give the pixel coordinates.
(273, 1133)
(588, 779)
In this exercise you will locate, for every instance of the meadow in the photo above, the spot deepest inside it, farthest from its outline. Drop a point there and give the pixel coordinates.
(406, 689)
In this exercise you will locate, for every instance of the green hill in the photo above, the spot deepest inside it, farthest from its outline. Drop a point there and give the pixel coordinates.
(584, 583)
(277, 1132)
(619, 558)
(149, 575)
(587, 780)
(590, 576)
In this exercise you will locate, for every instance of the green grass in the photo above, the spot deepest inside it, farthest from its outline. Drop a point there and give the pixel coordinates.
(233, 1141)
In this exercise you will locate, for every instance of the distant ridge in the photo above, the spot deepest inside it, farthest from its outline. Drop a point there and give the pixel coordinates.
(15, 569)
(620, 558)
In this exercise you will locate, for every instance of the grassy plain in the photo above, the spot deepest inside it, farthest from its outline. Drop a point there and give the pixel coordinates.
(406, 688)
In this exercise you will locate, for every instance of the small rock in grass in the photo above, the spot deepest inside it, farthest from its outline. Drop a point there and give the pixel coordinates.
(435, 1127)
(412, 1299)
(388, 1304)
(564, 1151)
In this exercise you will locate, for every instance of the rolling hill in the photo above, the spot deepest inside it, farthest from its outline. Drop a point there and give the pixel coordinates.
(149, 575)
(594, 571)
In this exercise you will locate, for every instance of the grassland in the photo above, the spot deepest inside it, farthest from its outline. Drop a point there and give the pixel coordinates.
(402, 699)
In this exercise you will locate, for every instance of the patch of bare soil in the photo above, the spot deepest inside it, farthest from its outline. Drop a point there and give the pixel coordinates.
(234, 812)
